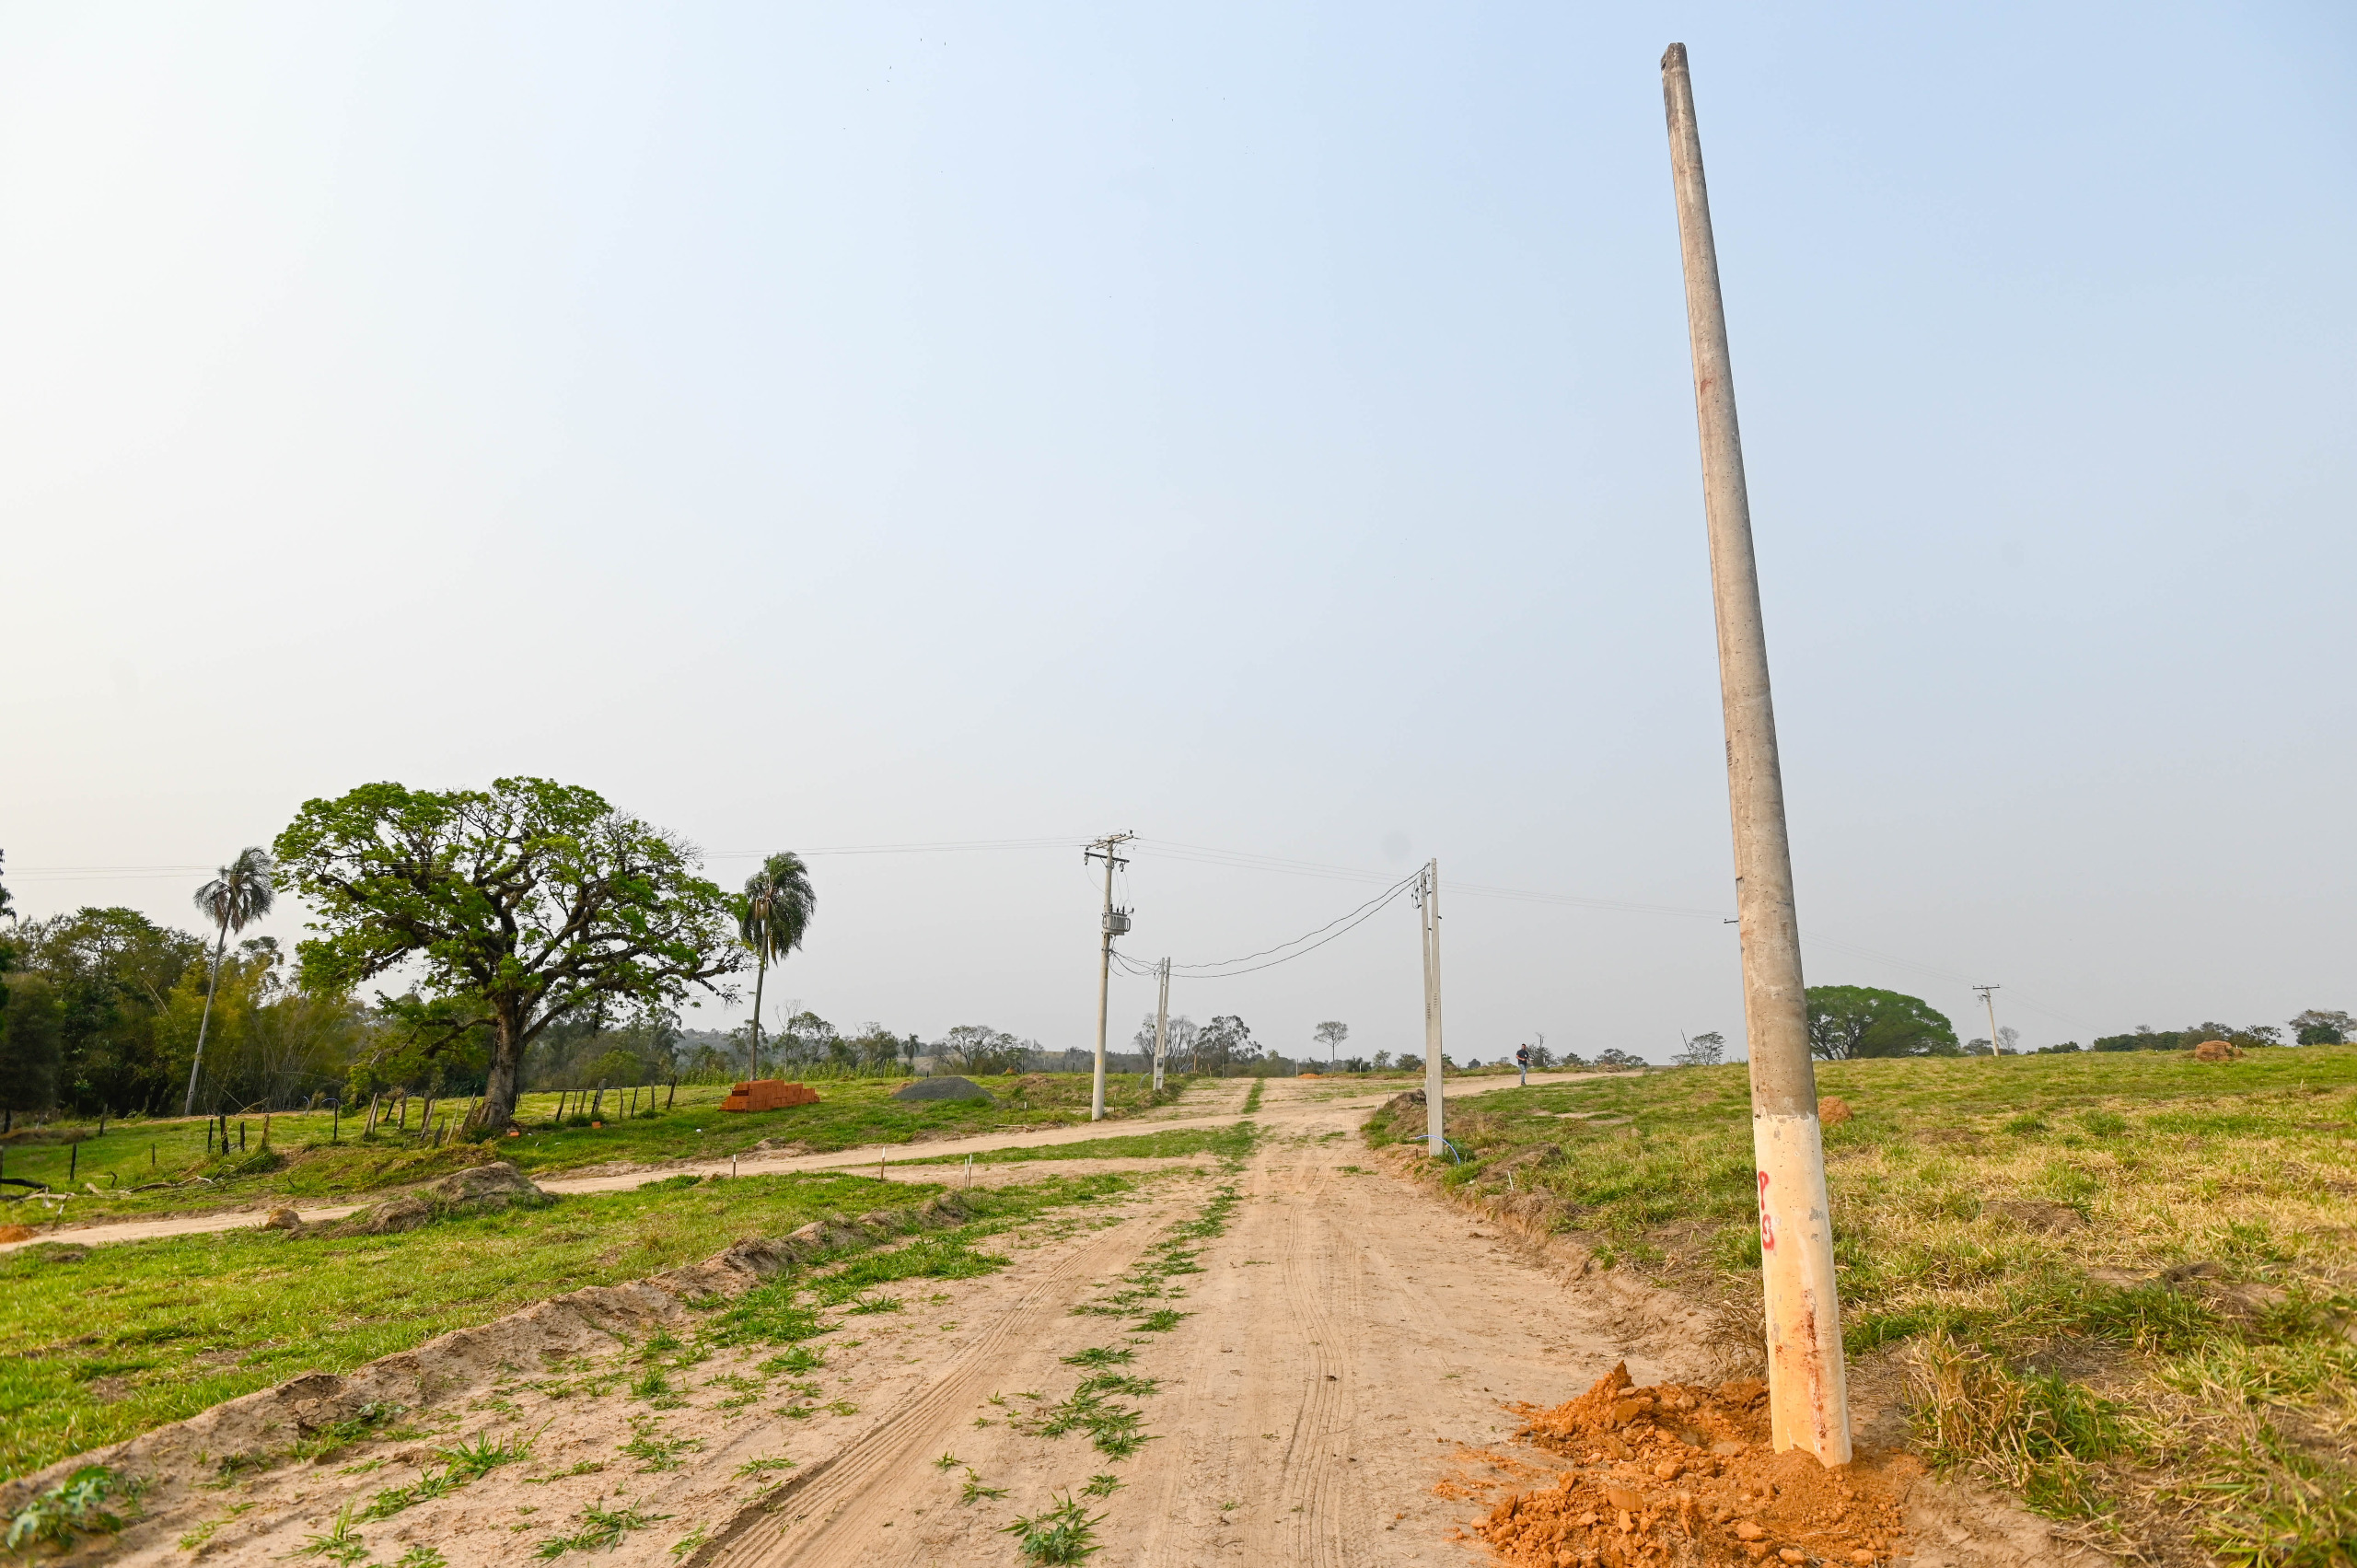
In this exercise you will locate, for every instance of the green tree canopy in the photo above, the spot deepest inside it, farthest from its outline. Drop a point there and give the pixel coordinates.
(1226, 1042)
(1846, 1021)
(979, 1049)
(2323, 1026)
(514, 906)
(1705, 1049)
(111, 974)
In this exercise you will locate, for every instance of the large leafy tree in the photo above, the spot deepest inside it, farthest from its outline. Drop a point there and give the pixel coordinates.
(979, 1049)
(1846, 1021)
(1226, 1042)
(2322, 1025)
(772, 922)
(514, 907)
(1705, 1049)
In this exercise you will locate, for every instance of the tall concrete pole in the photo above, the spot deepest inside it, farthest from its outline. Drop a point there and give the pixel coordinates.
(1105, 847)
(1104, 987)
(1161, 1025)
(1808, 1393)
(1989, 999)
(1435, 1119)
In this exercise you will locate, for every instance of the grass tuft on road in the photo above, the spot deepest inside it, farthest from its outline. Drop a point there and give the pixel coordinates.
(2121, 1283)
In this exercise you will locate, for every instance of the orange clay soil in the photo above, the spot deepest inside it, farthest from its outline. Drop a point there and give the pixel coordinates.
(1683, 1475)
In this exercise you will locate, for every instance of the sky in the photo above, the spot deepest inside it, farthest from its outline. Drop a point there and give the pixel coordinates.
(1268, 429)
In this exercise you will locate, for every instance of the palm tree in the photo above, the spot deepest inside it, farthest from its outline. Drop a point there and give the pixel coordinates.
(776, 913)
(234, 900)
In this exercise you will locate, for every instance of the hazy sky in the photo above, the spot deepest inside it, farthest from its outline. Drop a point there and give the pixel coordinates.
(1268, 427)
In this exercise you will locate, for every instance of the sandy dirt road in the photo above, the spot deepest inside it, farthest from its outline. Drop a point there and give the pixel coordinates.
(1347, 1338)
(1215, 1103)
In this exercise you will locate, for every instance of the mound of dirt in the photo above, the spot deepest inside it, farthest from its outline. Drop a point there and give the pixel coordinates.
(1832, 1110)
(948, 1086)
(2217, 1051)
(1680, 1474)
(494, 1185)
(483, 1188)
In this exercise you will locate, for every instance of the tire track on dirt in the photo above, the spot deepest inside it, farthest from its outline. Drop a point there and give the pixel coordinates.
(1317, 1465)
(833, 1512)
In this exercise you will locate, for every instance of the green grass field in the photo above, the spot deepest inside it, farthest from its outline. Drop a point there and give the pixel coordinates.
(102, 1344)
(305, 1164)
(2124, 1285)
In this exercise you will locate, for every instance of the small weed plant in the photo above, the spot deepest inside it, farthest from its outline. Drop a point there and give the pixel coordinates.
(655, 1449)
(1066, 1533)
(339, 1544)
(602, 1529)
(77, 1507)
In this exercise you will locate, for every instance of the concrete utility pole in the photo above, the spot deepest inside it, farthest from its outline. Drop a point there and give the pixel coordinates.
(1116, 924)
(1991, 1003)
(1808, 1386)
(1161, 1025)
(1428, 906)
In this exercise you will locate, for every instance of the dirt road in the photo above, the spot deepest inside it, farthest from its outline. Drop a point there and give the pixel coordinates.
(1216, 1102)
(1347, 1338)
(1319, 1365)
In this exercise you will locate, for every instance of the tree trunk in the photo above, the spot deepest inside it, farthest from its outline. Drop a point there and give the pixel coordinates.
(498, 1107)
(753, 1067)
(205, 1023)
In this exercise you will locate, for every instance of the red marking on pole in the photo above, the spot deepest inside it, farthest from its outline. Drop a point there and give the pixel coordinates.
(1766, 1221)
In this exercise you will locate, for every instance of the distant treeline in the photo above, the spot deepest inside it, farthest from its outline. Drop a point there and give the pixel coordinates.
(99, 1011)
(102, 1008)
(2315, 1027)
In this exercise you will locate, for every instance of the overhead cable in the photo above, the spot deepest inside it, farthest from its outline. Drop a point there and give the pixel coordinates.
(1323, 935)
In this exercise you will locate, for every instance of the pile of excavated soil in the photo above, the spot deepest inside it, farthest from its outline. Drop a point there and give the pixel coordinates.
(1683, 1475)
(948, 1087)
(484, 1189)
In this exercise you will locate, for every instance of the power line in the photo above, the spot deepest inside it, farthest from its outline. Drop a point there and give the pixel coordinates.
(1356, 919)
(1205, 854)
(1376, 902)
